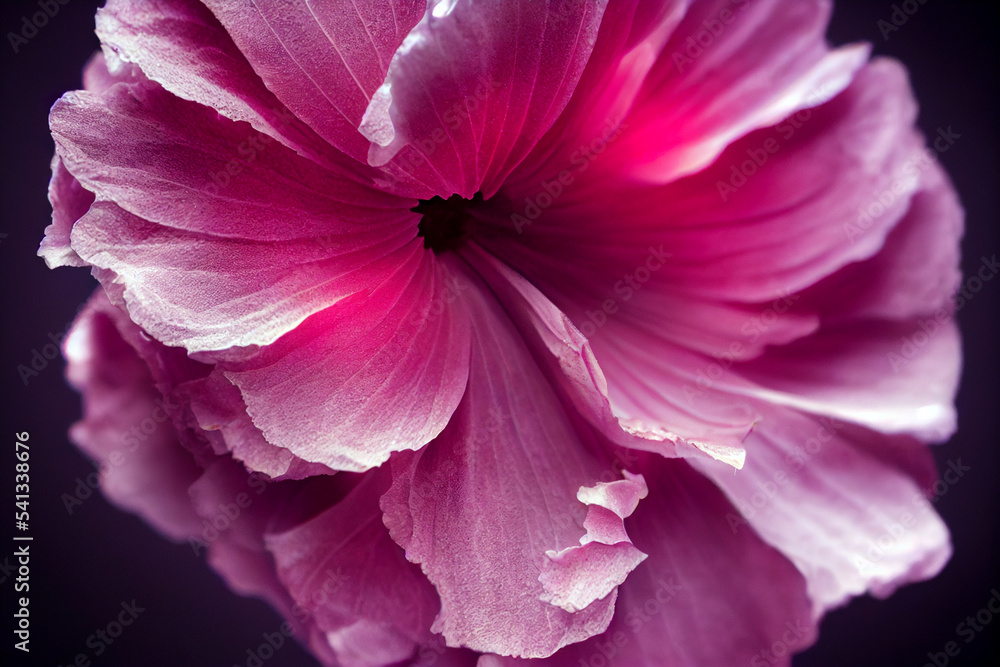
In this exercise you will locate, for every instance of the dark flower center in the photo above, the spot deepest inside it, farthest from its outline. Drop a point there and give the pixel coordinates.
(443, 221)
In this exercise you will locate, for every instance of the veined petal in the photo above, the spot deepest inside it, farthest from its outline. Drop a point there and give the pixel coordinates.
(183, 165)
(69, 199)
(473, 89)
(480, 506)
(323, 60)
(180, 45)
(218, 406)
(849, 520)
(705, 596)
(764, 61)
(891, 377)
(207, 293)
(377, 373)
(669, 432)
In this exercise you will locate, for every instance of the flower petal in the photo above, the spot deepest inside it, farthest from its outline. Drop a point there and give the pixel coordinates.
(850, 521)
(144, 470)
(576, 369)
(705, 596)
(480, 506)
(766, 62)
(324, 61)
(218, 407)
(473, 89)
(342, 567)
(207, 293)
(377, 373)
(70, 201)
(179, 44)
(577, 576)
(183, 165)
(893, 378)
(916, 273)
(710, 275)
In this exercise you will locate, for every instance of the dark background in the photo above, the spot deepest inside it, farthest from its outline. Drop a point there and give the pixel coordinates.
(83, 566)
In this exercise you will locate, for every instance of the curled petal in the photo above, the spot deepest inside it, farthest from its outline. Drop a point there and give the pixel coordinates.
(577, 576)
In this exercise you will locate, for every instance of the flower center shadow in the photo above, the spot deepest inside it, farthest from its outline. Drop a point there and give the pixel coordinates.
(443, 221)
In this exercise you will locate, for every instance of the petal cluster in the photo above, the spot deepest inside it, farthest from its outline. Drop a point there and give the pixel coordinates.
(656, 385)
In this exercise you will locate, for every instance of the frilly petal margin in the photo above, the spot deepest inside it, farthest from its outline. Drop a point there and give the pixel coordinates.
(481, 505)
(217, 408)
(70, 202)
(69, 199)
(705, 596)
(577, 576)
(181, 46)
(245, 522)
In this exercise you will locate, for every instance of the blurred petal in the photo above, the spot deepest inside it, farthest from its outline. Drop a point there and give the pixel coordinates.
(125, 426)
(375, 607)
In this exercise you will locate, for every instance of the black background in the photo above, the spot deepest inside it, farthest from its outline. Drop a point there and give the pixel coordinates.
(83, 566)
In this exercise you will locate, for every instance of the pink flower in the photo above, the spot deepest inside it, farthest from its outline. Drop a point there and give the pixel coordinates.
(596, 333)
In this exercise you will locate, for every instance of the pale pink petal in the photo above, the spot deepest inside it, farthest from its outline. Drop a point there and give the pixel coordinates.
(653, 383)
(324, 61)
(706, 596)
(377, 373)
(218, 406)
(365, 644)
(105, 69)
(70, 201)
(480, 506)
(473, 89)
(892, 377)
(237, 509)
(917, 271)
(343, 568)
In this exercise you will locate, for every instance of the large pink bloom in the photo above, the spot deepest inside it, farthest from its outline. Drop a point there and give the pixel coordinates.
(601, 331)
